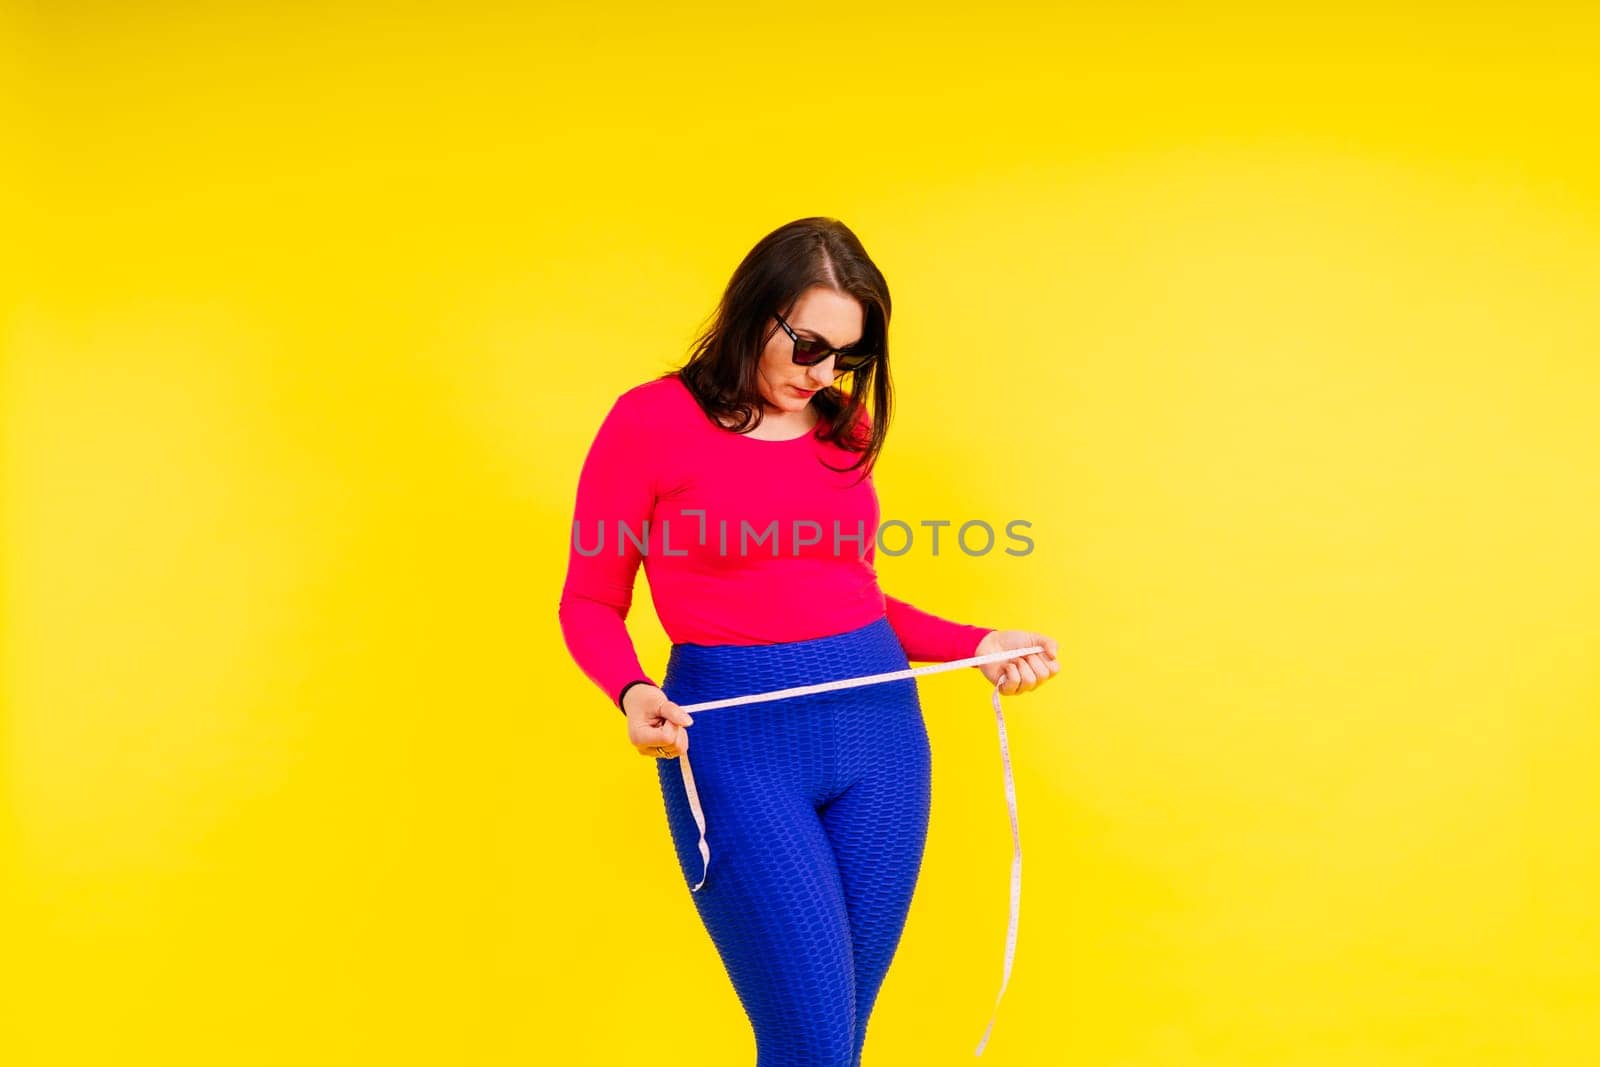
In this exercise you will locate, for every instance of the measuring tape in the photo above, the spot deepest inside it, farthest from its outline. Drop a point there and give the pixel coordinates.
(875, 679)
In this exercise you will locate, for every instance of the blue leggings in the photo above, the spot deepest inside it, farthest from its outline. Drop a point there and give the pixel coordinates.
(816, 813)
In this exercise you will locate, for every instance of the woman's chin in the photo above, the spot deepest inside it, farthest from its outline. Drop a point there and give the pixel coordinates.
(787, 405)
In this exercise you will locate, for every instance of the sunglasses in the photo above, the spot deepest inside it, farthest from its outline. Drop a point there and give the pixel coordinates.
(809, 351)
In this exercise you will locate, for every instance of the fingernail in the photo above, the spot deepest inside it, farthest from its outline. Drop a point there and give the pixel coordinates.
(688, 720)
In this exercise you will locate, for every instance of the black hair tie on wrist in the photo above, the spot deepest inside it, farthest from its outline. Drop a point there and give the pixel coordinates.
(624, 694)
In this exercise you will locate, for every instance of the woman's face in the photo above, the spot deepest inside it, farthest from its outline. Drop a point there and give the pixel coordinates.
(834, 317)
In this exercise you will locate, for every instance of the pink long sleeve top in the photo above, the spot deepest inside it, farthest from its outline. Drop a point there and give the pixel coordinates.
(744, 541)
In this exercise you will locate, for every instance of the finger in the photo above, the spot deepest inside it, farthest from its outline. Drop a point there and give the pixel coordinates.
(1009, 683)
(1041, 668)
(677, 714)
(1049, 644)
(651, 736)
(1028, 678)
(652, 743)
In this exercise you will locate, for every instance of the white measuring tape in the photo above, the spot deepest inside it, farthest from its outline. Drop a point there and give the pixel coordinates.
(874, 679)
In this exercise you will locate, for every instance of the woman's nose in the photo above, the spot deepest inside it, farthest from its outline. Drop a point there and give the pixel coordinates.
(822, 373)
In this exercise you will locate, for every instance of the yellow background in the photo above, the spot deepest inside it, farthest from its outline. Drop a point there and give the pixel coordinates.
(1281, 329)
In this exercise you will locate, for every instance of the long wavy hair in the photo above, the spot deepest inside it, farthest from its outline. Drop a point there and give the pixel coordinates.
(721, 371)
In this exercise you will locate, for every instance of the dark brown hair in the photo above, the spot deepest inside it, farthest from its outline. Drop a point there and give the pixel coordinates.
(721, 372)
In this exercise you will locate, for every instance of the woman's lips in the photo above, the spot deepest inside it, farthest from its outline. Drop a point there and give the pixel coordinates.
(802, 392)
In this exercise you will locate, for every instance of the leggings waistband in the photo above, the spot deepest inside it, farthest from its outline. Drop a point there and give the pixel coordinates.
(715, 672)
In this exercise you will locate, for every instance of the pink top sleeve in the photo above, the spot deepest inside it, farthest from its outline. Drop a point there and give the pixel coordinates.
(616, 482)
(928, 638)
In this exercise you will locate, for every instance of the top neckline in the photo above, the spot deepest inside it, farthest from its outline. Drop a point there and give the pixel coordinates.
(809, 434)
(776, 440)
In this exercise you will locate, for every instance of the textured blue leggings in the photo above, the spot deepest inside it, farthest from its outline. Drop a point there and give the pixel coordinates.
(816, 813)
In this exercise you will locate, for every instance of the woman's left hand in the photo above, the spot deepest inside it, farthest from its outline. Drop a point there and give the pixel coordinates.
(1024, 673)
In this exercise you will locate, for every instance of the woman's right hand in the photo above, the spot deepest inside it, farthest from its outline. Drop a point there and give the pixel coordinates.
(656, 726)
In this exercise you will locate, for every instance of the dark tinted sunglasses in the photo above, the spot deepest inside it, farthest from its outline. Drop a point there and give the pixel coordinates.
(810, 351)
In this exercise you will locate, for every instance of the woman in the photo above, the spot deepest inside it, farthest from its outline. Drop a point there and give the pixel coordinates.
(731, 480)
